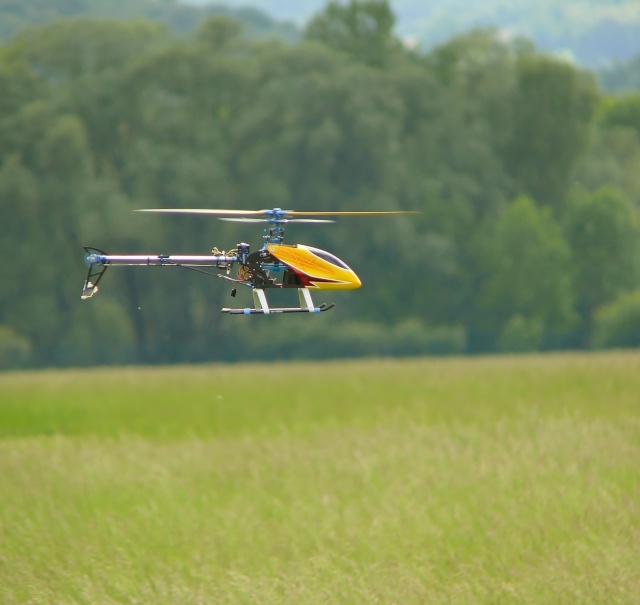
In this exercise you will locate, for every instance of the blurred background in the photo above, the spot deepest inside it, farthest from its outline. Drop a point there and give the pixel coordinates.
(513, 127)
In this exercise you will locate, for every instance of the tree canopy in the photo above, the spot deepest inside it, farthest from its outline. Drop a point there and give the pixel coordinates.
(523, 170)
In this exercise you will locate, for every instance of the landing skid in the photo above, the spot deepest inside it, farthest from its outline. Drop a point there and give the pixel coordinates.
(262, 306)
(322, 307)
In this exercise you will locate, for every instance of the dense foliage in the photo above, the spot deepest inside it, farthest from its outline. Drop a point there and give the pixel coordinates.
(525, 173)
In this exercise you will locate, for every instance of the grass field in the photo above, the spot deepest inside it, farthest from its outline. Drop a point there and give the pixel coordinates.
(489, 480)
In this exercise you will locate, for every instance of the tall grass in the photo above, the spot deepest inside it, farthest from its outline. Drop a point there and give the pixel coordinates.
(493, 480)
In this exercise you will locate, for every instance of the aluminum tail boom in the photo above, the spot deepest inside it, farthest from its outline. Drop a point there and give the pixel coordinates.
(99, 261)
(216, 260)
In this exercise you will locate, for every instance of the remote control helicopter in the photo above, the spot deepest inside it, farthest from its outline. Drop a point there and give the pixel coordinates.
(274, 265)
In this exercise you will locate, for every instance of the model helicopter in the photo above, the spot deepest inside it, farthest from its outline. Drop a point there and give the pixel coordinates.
(275, 265)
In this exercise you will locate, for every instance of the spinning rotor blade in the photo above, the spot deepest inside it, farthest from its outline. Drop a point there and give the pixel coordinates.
(241, 219)
(273, 214)
(202, 211)
(351, 213)
(308, 220)
(264, 220)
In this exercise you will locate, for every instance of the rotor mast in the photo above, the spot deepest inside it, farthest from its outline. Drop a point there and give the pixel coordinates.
(274, 233)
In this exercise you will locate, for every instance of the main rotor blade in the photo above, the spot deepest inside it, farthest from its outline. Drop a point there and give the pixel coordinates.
(308, 220)
(241, 219)
(351, 213)
(275, 213)
(264, 220)
(202, 211)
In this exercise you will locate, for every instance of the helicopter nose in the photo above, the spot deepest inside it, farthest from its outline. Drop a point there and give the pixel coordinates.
(355, 280)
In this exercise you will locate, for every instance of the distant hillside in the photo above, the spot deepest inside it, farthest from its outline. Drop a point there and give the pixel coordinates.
(182, 17)
(593, 32)
(622, 78)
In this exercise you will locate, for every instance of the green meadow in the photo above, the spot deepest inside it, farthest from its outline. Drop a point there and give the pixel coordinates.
(420, 481)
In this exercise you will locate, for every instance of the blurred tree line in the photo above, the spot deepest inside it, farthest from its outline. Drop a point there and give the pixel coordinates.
(526, 176)
(180, 16)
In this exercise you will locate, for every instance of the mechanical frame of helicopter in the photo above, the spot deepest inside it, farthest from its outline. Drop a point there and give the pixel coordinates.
(275, 265)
